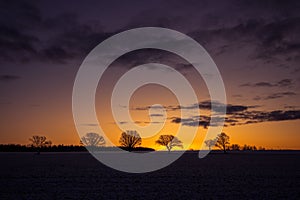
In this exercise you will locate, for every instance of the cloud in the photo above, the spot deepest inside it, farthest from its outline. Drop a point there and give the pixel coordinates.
(278, 38)
(263, 84)
(203, 121)
(35, 37)
(261, 116)
(205, 105)
(13, 41)
(281, 83)
(240, 118)
(271, 27)
(143, 56)
(285, 83)
(276, 95)
(17, 42)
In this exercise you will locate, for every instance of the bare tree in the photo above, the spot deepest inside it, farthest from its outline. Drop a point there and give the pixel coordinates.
(39, 142)
(130, 139)
(92, 140)
(169, 141)
(210, 143)
(222, 141)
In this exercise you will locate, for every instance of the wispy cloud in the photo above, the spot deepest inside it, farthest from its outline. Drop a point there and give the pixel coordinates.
(275, 96)
(281, 83)
(205, 105)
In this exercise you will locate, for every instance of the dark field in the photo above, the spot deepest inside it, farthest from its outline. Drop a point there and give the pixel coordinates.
(255, 175)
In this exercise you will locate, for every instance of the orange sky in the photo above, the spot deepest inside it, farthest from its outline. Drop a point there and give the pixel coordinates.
(59, 127)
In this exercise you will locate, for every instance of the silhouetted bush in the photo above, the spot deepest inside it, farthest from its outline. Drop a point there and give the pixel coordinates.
(137, 149)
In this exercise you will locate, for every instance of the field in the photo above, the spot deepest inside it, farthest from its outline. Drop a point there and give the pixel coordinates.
(253, 175)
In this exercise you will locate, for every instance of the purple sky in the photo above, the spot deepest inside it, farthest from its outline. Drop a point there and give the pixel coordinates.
(255, 44)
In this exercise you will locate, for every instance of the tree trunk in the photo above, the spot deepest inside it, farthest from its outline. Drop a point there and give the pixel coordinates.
(169, 149)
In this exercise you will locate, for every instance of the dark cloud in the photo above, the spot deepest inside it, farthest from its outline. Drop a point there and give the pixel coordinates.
(275, 96)
(15, 44)
(143, 56)
(206, 105)
(235, 108)
(202, 121)
(8, 77)
(24, 15)
(272, 34)
(240, 118)
(263, 84)
(285, 83)
(279, 95)
(261, 116)
(281, 83)
(28, 36)
(56, 54)
(279, 38)
(17, 22)
(272, 27)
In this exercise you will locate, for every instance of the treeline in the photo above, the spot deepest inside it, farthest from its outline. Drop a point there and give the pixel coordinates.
(80, 148)
(31, 148)
(61, 148)
(237, 147)
(129, 141)
(222, 142)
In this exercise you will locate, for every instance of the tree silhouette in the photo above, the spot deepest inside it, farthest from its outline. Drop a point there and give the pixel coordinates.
(169, 141)
(130, 139)
(92, 140)
(235, 147)
(222, 141)
(39, 142)
(210, 143)
(249, 148)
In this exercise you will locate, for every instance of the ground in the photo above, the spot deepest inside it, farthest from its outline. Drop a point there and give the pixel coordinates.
(255, 175)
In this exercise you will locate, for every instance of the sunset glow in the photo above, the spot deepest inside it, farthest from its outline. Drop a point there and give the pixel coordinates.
(255, 49)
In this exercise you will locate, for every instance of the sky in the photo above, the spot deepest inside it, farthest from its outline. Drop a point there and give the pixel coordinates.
(255, 45)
